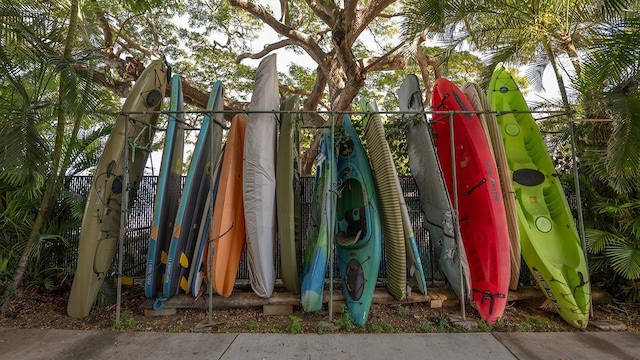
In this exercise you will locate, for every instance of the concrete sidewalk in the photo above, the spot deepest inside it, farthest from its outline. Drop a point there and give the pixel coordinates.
(31, 344)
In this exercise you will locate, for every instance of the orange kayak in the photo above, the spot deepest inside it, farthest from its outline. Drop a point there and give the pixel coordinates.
(229, 235)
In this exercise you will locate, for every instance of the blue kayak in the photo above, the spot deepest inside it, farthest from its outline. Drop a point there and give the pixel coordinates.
(317, 250)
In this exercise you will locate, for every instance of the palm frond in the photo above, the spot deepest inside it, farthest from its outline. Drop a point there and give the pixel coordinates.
(623, 151)
(87, 150)
(625, 258)
(598, 240)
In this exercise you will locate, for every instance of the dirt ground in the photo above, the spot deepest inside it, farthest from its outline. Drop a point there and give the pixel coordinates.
(40, 308)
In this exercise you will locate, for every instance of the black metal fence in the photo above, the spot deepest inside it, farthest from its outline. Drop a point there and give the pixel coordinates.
(136, 241)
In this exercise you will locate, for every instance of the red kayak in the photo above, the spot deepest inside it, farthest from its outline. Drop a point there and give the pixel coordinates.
(481, 211)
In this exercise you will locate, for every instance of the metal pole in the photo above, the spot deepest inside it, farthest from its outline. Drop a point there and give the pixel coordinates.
(576, 182)
(124, 206)
(455, 213)
(210, 206)
(330, 216)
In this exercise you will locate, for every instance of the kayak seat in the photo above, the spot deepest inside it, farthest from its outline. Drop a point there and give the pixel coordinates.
(356, 227)
(528, 177)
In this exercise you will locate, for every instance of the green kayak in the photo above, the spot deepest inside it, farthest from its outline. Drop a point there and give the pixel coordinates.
(548, 237)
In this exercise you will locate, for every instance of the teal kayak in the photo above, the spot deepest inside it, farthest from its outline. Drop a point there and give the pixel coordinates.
(317, 250)
(549, 240)
(358, 229)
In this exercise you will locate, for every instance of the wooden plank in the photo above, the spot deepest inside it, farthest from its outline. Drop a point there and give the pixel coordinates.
(162, 312)
(436, 297)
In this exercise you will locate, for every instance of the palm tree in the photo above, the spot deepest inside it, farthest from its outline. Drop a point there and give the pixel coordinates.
(609, 89)
(40, 87)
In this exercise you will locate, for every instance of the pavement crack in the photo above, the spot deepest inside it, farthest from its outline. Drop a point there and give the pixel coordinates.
(228, 347)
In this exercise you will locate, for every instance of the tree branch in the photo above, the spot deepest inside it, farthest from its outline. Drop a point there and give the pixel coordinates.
(424, 63)
(350, 10)
(267, 49)
(318, 90)
(324, 11)
(299, 38)
(365, 15)
(388, 61)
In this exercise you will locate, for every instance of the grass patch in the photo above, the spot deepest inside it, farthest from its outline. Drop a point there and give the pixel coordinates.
(345, 322)
(443, 326)
(426, 326)
(252, 326)
(322, 328)
(381, 327)
(126, 321)
(296, 325)
(484, 326)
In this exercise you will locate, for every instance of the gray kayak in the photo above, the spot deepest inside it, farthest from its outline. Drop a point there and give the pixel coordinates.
(434, 198)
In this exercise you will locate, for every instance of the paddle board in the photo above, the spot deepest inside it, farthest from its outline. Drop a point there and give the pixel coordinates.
(192, 203)
(168, 192)
(259, 177)
(288, 196)
(229, 232)
(383, 169)
(197, 270)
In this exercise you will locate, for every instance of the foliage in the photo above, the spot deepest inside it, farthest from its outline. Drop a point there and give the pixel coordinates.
(127, 321)
(107, 294)
(345, 322)
(426, 326)
(321, 328)
(296, 325)
(252, 326)
(614, 245)
(53, 115)
(484, 326)
(382, 326)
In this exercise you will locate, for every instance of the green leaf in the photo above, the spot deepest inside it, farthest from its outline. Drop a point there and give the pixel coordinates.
(625, 259)
(598, 240)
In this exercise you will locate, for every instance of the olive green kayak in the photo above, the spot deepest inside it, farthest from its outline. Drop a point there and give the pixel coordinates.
(101, 221)
(288, 196)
